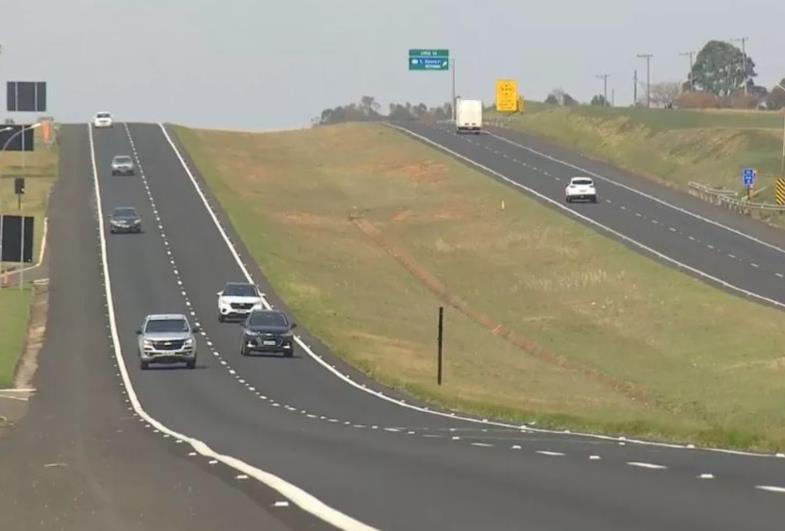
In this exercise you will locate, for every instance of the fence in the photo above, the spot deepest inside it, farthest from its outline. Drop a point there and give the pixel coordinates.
(729, 199)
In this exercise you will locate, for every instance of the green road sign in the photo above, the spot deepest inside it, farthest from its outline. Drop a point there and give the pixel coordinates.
(427, 59)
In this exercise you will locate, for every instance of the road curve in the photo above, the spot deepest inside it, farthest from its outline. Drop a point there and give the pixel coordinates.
(383, 464)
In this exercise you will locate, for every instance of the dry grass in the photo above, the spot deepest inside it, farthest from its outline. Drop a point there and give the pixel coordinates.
(708, 364)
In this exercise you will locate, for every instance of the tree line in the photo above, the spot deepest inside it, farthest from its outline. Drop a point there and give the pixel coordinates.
(369, 110)
(721, 76)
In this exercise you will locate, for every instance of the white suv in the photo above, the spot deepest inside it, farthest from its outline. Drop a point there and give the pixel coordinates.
(237, 300)
(580, 188)
(102, 119)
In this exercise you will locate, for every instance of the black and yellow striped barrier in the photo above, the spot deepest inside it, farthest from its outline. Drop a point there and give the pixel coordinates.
(779, 191)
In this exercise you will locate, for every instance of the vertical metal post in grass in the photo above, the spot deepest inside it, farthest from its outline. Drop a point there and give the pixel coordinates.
(440, 342)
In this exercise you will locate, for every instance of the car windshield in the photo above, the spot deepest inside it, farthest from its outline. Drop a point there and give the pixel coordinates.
(166, 325)
(267, 319)
(103, 115)
(240, 290)
(122, 158)
(124, 212)
(582, 182)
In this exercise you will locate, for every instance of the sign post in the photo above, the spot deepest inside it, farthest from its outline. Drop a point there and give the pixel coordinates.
(748, 178)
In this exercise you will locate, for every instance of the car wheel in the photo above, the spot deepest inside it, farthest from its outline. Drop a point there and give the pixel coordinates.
(243, 351)
(144, 365)
(221, 318)
(191, 364)
(288, 353)
(568, 200)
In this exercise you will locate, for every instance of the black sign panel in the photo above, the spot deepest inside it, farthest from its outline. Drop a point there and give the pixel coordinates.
(26, 96)
(14, 140)
(16, 238)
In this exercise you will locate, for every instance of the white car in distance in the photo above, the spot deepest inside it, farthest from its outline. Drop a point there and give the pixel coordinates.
(581, 189)
(102, 119)
(237, 300)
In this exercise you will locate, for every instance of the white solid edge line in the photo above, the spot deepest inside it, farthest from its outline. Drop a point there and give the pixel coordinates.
(642, 194)
(400, 403)
(298, 496)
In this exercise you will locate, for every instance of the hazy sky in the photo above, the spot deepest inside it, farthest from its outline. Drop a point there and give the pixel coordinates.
(259, 64)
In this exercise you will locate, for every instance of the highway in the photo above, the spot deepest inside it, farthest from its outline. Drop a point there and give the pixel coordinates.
(364, 459)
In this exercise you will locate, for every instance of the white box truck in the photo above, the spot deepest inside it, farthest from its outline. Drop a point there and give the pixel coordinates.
(468, 118)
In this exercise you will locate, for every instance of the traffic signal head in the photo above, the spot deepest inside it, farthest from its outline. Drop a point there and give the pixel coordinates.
(19, 185)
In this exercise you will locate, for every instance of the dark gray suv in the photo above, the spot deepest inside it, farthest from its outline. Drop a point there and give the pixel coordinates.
(268, 331)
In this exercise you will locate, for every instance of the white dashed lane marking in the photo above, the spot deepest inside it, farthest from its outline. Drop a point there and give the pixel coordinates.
(650, 466)
(771, 488)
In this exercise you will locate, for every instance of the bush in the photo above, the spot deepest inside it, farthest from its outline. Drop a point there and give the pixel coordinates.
(698, 100)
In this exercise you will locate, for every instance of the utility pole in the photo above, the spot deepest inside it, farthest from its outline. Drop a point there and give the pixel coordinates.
(635, 88)
(690, 54)
(648, 57)
(604, 78)
(743, 41)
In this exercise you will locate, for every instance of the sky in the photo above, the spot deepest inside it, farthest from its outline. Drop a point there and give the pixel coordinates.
(263, 65)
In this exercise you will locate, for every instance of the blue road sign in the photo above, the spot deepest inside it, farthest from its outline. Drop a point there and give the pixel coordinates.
(748, 176)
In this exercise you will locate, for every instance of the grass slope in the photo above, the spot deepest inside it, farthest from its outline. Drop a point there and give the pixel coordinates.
(675, 146)
(606, 339)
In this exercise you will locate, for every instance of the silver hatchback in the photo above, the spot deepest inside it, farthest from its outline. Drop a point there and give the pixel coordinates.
(167, 338)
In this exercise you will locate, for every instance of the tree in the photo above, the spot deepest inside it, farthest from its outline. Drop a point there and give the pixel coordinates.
(665, 94)
(599, 100)
(719, 69)
(559, 97)
(776, 98)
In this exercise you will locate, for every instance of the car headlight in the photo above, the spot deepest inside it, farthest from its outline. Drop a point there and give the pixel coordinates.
(189, 342)
(251, 333)
(147, 343)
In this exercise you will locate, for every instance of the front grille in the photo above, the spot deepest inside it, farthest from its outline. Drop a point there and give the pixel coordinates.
(242, 305)
(176, 344)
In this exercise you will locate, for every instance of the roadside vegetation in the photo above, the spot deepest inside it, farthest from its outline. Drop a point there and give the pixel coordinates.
(546, 320)
(40, 172)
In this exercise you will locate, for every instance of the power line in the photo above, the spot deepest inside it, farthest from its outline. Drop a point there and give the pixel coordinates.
(690, 78)
(604, 78)
(743, 41)
(648, 57)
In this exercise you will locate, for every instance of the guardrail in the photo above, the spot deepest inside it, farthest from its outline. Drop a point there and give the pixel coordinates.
(729, 199)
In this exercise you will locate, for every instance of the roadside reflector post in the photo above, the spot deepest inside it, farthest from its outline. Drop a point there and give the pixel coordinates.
(440, 342)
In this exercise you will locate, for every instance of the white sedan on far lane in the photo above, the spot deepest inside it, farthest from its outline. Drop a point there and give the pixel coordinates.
(581, 188)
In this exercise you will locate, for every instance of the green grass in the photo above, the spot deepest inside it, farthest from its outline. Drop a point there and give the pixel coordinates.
(15, 312)
(674, 146)
(702, 365)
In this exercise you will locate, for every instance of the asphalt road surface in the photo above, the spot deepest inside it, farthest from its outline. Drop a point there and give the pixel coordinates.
(373, 459)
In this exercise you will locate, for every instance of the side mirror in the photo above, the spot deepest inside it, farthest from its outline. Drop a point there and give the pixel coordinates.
(294, 325)
(196, 330)
(138, 331)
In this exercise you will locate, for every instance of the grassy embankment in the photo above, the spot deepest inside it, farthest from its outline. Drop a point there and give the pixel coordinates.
(40, 170)
(674, 146)
(365, 233)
